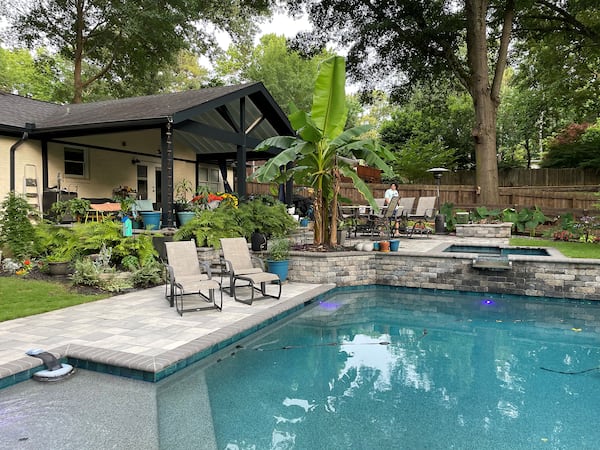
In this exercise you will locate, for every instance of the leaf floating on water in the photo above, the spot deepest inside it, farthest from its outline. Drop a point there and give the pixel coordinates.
(576, 330)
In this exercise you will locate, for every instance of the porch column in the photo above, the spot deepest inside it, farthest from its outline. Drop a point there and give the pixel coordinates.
(166, 161)
(240, 170)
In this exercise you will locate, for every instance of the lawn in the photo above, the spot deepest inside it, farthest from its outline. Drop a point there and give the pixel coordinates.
(22, 297)
(569, 249)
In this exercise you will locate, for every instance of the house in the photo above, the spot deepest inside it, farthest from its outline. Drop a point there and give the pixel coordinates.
(145, 145)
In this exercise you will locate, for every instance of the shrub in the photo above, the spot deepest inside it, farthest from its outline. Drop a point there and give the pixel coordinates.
(17, 234)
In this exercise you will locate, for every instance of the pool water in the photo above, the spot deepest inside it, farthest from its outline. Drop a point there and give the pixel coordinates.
(368, 368)
(492, 250)
(384, 368)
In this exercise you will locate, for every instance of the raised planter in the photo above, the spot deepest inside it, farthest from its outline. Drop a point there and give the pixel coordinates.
(484, 230)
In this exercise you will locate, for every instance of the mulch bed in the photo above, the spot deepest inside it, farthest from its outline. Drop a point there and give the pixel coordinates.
(36, 274)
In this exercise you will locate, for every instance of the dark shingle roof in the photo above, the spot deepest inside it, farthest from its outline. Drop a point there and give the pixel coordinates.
(16, 111)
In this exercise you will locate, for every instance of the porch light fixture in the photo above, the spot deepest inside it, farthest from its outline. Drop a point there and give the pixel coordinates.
(135, 161)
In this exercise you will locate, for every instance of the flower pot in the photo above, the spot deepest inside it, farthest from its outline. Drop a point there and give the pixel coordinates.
(59, 268)
(280, 268)
(184, 217)
(151, 220)
(384, 246)
(376, 246)
(394, 245)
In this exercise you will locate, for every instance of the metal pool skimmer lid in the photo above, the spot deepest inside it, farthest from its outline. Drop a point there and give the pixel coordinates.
(55, 370)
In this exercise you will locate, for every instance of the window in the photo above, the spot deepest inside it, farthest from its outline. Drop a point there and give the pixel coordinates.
(211, 177)
(76, 162)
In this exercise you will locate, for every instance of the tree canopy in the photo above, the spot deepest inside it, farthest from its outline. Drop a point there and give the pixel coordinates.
(394, 44)
(288, 75)
(126, 43)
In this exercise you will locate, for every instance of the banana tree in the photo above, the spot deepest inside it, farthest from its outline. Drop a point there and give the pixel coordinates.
(322, 152)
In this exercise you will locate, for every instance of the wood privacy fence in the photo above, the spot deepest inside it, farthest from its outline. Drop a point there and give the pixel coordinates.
(552, 200)
(528, 177)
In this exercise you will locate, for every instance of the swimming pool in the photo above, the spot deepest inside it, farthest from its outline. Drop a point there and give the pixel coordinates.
(494, 250)
(364, 368)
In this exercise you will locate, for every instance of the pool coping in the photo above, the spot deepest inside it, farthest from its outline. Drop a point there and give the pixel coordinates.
(553, 254)
(155, 368)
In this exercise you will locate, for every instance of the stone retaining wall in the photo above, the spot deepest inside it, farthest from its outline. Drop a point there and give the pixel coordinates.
(484, 230)
(532, 276)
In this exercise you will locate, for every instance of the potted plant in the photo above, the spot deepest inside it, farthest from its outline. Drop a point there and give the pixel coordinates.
(184, 208)
(278, 254)
(78, 207)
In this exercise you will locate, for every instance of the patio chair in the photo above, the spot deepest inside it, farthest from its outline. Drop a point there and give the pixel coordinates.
(425, 211)
(185, 277)
(241, 266)
(387, 219)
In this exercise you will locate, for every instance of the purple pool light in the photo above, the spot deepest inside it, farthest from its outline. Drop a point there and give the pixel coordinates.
(329, 306)
(488, 302)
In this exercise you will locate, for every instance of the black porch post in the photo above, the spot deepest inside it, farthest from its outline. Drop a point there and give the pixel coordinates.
(241, 152)
(166, 161)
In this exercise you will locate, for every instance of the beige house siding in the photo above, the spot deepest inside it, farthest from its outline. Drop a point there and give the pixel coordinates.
(109, 163)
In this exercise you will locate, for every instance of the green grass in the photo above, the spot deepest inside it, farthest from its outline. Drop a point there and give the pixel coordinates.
(569, 249)
(22, 297)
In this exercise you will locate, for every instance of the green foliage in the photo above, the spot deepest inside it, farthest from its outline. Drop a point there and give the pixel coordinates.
(39, 75)
(266, 215)
(210, 225)
(109, 45)
(322, 151)
(431, 129)
(288, 75)
(525, 219)
(447, 210)
(148, 275)
(578, 145)
(279, 250)
(17, 235)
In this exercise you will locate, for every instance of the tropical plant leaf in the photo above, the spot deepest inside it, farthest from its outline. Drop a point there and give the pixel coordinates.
(329, 111)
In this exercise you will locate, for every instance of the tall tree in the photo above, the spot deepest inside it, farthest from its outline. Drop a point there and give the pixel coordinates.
(36, 75)
(115, 41)
(415, 40)
(288, 75)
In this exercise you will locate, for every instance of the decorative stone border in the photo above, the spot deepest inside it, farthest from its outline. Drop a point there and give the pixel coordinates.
(537, 276)
(484, 230)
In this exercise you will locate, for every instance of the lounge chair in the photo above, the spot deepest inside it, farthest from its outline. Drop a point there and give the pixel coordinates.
(425, 211)
(241, 266)
(186, 277)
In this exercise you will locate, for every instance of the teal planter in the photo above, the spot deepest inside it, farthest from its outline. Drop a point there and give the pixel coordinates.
(151, 220)
(184, 217)
(394, 245)
(280, 268)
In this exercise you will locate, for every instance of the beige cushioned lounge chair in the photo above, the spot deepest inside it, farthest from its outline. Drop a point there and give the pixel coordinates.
(185, 276)
(241, 266)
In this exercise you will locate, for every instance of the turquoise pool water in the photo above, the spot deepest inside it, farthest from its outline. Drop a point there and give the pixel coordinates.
(369, 368)
(493, 250)
(384, 368)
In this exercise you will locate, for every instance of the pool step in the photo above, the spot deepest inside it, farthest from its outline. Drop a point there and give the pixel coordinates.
(492, 263)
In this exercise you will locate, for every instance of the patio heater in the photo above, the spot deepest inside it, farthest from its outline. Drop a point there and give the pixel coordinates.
(440, 219)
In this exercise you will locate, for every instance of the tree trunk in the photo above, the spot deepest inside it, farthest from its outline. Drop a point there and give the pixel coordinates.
(486, 159)
(485, 95)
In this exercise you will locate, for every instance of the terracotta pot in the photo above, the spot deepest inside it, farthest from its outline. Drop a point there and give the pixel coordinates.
(384, 246)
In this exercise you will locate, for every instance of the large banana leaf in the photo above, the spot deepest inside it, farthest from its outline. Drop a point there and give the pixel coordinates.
(329, 111)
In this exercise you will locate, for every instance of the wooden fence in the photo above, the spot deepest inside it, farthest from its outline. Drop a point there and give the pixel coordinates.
(553, 200)
(528, 177)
